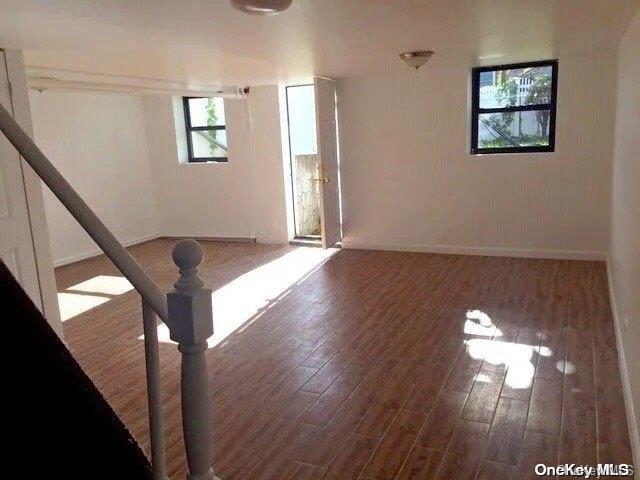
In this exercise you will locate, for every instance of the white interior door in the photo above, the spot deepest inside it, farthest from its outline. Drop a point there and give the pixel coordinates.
(327, 140)
(16, 244)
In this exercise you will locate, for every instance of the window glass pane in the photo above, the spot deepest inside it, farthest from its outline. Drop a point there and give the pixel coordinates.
(302, 119)
(520, 86)
(514, 129)
(206, 112)
(486, 78)
(209, 143)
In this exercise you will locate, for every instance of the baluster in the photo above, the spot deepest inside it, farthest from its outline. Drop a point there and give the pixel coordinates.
(190, 324)
(154, 391)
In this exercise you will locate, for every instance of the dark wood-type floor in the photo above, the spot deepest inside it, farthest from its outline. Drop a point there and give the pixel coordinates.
(382, 365)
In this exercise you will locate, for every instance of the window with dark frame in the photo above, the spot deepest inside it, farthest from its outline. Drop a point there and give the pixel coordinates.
(206, 129)
(513, 108)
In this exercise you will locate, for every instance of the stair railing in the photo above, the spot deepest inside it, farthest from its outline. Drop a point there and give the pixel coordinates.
(186, 311)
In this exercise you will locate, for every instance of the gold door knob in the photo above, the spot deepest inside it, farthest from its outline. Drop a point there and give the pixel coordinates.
(323, 180)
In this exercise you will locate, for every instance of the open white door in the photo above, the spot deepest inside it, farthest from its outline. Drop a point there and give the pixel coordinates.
(327, 139)
(16, 244)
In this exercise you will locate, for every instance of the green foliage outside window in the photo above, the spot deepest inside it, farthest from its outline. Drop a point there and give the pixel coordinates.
(212, 120)
(507, 95)
(540, 92)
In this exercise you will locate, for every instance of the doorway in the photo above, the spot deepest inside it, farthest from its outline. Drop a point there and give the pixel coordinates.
(303, 150)
(314, 164)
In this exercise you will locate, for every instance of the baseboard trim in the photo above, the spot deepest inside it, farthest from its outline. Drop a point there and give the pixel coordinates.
(634, 435)
(213, 239)
(484, 251)
(97, 252)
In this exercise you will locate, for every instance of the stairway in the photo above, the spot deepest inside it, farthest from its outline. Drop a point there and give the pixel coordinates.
(62, 426)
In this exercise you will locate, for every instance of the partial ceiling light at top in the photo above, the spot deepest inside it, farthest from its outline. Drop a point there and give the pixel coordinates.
(416, 58)
(261, 7)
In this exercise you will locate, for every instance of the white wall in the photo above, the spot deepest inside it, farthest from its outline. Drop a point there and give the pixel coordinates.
(409, 182)
(98, 142)
(121, 152)
(241, 198)
(624, 250)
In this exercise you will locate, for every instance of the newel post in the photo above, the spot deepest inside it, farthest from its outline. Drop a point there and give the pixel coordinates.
(190, 324)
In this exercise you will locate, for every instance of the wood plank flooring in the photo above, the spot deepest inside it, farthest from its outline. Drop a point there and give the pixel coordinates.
(381, 365)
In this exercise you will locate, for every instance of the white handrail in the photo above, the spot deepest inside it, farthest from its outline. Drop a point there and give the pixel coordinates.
(83, 214)
(152, 298)
(189, 316)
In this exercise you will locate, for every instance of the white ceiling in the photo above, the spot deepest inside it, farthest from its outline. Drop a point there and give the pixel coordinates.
(207, 41)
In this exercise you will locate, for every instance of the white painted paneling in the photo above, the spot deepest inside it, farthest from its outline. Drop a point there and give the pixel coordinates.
(121, 153)
(16, 244)
(98, 142)
(268, 210)
(34, 197)
(624, 249)
(409, 182)
(241, 198)
(24, 238)
(4, 212)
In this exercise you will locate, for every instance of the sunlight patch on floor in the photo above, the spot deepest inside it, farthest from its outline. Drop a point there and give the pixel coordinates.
(479, 323)
(516, 357)
(72, 304)
(568, 368)
(91, 293)
(241, 299)
(103, 285)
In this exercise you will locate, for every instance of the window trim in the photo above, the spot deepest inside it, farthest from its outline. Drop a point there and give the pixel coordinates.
(189, 129)
(476, 110)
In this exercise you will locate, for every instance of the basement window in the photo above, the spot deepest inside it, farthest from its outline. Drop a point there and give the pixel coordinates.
(206, 129)
(514, 108)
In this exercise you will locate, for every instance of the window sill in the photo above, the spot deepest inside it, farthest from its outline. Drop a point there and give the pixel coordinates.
(515, 154)
(211, 162)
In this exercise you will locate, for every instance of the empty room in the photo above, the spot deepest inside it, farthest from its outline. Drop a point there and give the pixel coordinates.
(321, 239)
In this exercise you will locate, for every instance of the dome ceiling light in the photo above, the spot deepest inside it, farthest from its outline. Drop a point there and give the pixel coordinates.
(416, 58)
(261, 7)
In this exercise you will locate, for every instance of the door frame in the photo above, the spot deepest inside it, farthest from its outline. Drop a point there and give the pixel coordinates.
(292, 180)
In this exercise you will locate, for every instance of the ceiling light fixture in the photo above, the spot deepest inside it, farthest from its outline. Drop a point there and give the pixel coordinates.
(416, 58)
(261, 7)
